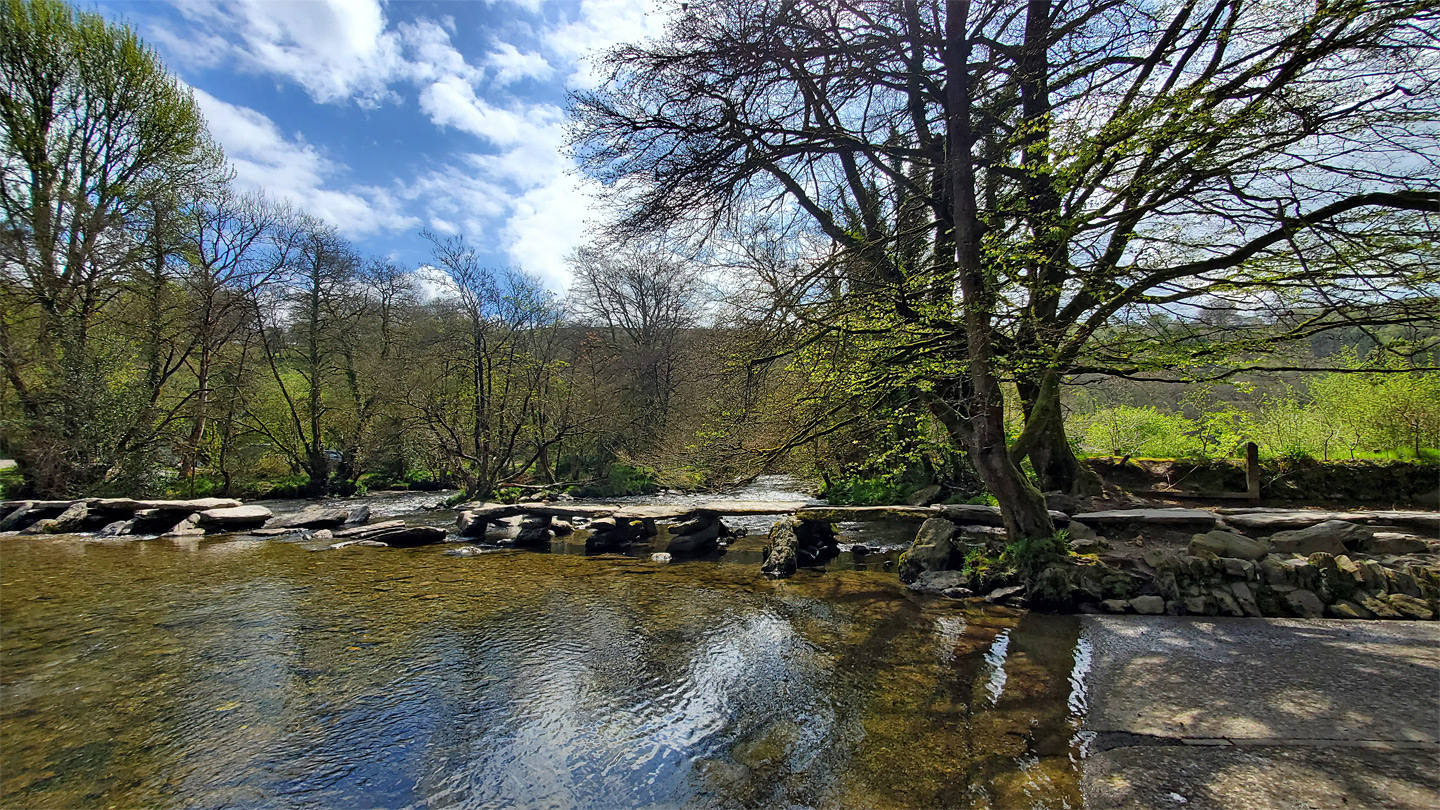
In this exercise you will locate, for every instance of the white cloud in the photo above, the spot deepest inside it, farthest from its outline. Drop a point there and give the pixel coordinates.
(511, 64)
(291, 169)
(599, 25)
(546, 224)
(335, 49)
(516, 192)
(432, 52)
(451, 102)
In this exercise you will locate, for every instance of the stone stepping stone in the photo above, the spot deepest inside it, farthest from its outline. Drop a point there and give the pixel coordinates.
(1162, 517)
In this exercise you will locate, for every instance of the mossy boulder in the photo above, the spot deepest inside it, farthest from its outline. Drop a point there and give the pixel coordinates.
(932, 550)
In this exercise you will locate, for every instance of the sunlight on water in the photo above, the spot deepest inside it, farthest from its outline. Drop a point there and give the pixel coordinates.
(995, 659)
(263, 674)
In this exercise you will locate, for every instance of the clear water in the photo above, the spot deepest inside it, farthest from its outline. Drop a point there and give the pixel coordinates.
(249, 673)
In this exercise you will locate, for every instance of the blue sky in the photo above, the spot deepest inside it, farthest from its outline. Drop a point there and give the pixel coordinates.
(386, 118)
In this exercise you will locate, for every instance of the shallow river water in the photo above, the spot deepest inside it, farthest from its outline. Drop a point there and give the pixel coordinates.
(253, 673)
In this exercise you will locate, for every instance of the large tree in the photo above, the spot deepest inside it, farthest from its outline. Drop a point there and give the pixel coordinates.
(1003, 181)
(100, 146)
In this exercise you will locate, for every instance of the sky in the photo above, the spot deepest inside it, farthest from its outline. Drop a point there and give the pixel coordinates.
(386, 118)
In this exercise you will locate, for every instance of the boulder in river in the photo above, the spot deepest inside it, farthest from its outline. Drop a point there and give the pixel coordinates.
(697, 536)
(362, 543)
(17, 516)
(613, 534)
(931, 550)
(534, 535)
(781, 558)
(117, 528)
(404, 536)
(72, 519)
(470, 524)
(188, 527)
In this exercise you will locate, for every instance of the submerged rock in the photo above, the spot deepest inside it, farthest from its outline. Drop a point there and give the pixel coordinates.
(362, 543)
(952, 584)
(468, 551)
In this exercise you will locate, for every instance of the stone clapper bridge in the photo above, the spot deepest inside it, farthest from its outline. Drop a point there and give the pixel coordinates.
(698, 527)
(1356, 565)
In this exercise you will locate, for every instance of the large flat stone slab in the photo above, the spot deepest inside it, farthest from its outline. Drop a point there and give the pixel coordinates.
(976, 514)
(1163, 517)
(846, 514)
(656, 512)
(1262, 713)
(234, 517)
(186, 506)
(1423, 520)
(743, 508)
(1291, 518)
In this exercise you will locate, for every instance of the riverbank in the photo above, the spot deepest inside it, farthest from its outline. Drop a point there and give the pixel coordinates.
(1261, 714)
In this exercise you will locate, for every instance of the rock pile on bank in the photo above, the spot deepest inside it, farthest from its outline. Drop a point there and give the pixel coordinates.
(1338, 568)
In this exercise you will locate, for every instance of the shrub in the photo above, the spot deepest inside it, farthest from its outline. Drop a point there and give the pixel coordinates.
(1128, 431)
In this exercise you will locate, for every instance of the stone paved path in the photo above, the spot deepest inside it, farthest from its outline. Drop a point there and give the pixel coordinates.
(1262, 713)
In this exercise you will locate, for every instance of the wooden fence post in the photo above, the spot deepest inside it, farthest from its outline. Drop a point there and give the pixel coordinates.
(1252, 471)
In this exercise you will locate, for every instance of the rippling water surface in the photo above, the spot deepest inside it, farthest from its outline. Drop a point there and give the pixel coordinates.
(246, 673)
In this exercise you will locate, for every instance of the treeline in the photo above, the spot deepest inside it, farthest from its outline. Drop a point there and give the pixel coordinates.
(162, 332)
(925, 222)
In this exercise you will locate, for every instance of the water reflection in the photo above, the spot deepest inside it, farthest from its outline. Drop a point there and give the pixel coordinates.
(263, 675)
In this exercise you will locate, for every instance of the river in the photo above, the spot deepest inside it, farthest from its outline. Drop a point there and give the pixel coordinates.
(237, 672)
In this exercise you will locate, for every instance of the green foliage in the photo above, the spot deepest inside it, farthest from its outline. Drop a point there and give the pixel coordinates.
(620, 480)
(1331, 416)
(859, 490)
(1028, 555)
(12, 482)
(1129, 431)
(976, 563)
(509, 494)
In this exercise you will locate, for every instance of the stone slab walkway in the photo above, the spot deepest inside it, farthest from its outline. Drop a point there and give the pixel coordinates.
(1262, 713)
